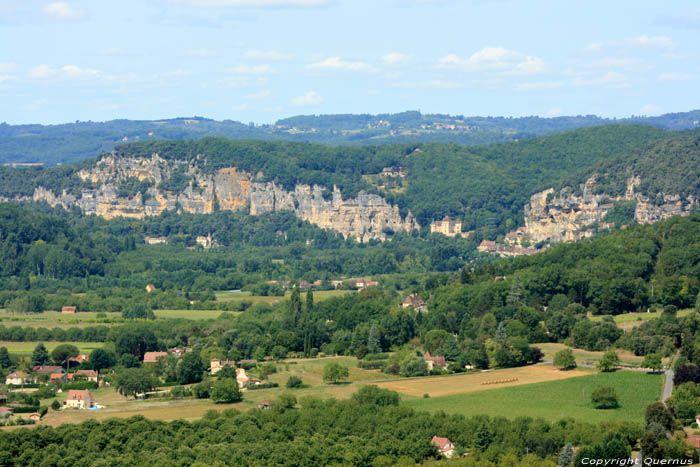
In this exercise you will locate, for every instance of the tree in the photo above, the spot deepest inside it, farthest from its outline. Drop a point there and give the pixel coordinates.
(334, 372)
(609, 361)
(133, 381)
(101, 358)
(138, 311)
(134, 339)
(373, 342)
(40, 355)
(128, 360)
(226, 371)
(604, 398)
(375, 395)
(5, 361)
(63, 352)
(657, 412)
(564, 359)
(294, 382)
(287, 400)
(166, 367)
(226, 390)
(653, 361)
(55, 404)
(190, 369)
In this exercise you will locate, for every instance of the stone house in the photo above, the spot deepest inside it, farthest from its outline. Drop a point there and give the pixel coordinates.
(18, 378)
(447, 226)
(91, 375)
(416, 302)
(215, 365)
(436, 361)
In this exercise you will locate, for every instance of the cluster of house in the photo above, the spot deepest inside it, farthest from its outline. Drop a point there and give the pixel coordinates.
(155, 240)
(489, 246)
(53, 373)
(358, 283)
(416, 302)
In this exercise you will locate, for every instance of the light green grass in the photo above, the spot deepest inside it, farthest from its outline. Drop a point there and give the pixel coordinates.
(26, 348)
(555, 400)
(630, 320)
(190, 314)
(319, 296)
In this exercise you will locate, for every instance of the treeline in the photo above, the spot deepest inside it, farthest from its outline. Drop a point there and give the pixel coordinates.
(319, 433)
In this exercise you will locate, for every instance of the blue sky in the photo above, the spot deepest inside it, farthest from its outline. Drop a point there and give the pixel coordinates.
(260, 60)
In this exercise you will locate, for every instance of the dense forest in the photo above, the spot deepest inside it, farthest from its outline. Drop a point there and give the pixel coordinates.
(486, 187)
(74, 142)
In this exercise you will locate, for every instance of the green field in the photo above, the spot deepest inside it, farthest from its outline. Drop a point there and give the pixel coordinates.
(632, 320)
(555, 400)
(26, 348)
(319, 296)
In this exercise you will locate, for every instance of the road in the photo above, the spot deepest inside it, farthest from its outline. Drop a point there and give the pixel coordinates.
(668, 386)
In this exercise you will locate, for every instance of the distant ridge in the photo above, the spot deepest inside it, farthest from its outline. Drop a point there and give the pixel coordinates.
(73, 142)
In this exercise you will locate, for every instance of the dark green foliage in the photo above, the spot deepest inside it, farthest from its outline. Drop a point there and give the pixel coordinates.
(134, 381)
(63, 352)
(190, 368)
(604, 398)
(658, 413)
(40, 355)
(101, 358)
(375, 395)
(334, 372)
(226, 390)
(138, 311)
(294, 382)
(5, 361)
(609, 362)
(564, 359)
(55, 405)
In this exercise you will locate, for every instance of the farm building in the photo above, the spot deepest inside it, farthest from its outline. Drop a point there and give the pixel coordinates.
(69, 310)
(444, 445)
(152, 357)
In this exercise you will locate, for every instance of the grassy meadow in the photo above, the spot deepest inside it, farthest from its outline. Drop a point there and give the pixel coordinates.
(554, 400)
(588, 356)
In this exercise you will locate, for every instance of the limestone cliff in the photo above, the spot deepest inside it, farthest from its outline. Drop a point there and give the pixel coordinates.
(555, 217)
(365, 217)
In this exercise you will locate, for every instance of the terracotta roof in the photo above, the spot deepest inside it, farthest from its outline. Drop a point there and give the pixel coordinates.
(443, 444)
(7, 409)
(152, 357)
(88, 373)
(48, 369)
(78, 395)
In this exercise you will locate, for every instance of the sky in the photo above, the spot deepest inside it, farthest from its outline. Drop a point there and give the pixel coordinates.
(261, 60)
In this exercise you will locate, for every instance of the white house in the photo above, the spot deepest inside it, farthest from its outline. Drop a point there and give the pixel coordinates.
(79, 399)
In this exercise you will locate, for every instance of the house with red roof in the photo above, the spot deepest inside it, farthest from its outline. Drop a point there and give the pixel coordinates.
(444, 445)
(19, 378)
(79, 399)
(48, 369)
(69, 310)
(434, 361)
(35, 416)
(90, 375)
(152, 357)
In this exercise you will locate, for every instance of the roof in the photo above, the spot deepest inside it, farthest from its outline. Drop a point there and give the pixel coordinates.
(48, 369)
(7, 409)
(443, 444)
(69, 308)
(88, 373)
(152, 357)
(18, 374)
(56, 375)
(414, 300)
(78, 395)
(437, 360)
(264, 403)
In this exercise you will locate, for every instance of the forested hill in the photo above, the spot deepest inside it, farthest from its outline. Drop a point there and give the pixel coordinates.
(486, 186)
(72, 142)
(668, 167)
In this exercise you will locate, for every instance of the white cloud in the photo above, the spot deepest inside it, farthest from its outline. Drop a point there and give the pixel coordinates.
(259, 95)
(7, 67)
(444, 84)
(611, 79)
(112, 51)
(649, 109)
(675, 76)
(395, 58)
(337, 63)
(645, 42)
(64, 11)
(251, 70)
(200, 53)
(251, 3)
(539, 85)
(265, 55)
(308, 99)
(64, 72)
(554, 112)
(498, 59)
(35, 104)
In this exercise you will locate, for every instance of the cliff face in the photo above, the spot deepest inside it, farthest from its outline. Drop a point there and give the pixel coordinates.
(364, 217)
(556, 217)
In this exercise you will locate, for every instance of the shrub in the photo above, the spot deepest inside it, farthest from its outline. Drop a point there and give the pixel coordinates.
(294, 382)
(604, 398)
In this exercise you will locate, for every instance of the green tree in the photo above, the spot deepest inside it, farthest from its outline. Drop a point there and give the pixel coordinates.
(63, 352)
(566, 456)
(226, 390)
(375, 395)
(101, 358)
(287, 400)
(190, 368)
(294, 382)
(656, 412)
(5, 361)
(604, 398)
(40, 355)
(55, 404)
(373, 340)
(138, 311)
(653, 361)
(334, 372)
(564, 359)
(134, 381)
(609, 361)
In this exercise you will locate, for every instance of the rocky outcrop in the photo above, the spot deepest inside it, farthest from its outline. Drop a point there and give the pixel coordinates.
(562, 216)
(365, 217)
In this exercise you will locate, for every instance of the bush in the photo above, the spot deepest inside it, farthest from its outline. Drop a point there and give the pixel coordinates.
(226, 391)
(371, 365)
(294, 382)
(604, 398)
(376, 396)
(263, 386)
(55, 405)
(564, 359)
(81, 385)
(201, 391)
